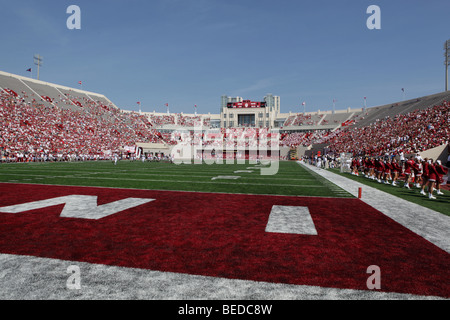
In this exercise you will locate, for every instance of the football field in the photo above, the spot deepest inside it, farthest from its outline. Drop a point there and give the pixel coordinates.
(290, 178)
(222, 231)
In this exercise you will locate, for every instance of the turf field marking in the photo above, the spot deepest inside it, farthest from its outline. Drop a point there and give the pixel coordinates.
(181, 181)
(41, 176)
(225, 178)
(79, 206)
(293, 179)
(325, 182)
(145, 170)
(291, 219)
(201, 182)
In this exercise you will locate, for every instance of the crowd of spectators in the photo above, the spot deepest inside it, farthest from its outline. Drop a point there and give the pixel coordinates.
(35, 131)
(69, 127)
(409, 133)
(228, 138)
(413, 132)
(180, 120)
(158, 121)
(301, 119)
(304, 139)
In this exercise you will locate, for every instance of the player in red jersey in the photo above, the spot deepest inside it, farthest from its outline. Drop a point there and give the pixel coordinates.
(366, 164)
(417, 168)
(387, 171)
(432, 178)
(395, 171)
(442, 171)
(376, 168)
(355, 166)
(408, 167)
(372, 168)
(379, 168)
(425, 175)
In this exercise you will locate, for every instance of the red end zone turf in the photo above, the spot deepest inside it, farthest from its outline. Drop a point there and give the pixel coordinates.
(223, 235)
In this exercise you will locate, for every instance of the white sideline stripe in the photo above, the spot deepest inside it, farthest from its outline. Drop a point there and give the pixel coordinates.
(291, 219)
(28, 278)
(429, 224)
(180, 181)
(81, 174)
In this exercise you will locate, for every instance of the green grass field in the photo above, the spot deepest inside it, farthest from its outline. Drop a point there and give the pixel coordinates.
(291, 178)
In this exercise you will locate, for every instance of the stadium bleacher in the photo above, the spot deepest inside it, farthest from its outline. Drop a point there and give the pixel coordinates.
(411, 132)
(390, 110)
(44, 117)
(52, 122)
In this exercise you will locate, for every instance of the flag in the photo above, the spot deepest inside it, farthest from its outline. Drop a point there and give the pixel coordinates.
(79, 82)
(166, 104)
(138, 103)
(29, 70)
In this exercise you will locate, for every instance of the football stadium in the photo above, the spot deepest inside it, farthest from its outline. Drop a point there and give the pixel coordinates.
(247, 202)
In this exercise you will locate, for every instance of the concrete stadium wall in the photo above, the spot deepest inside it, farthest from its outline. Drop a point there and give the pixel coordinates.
(438, 153)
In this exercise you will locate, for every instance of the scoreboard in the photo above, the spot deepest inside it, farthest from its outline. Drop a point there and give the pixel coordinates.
(246, 104)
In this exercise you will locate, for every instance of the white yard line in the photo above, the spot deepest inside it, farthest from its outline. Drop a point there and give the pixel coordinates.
(25, 277)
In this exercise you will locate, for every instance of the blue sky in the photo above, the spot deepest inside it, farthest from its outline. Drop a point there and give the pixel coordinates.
(191, 52)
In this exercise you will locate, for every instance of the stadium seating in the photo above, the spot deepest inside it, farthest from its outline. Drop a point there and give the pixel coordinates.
(39, 119)
(380, 130)
(35, 130)
(412, 132)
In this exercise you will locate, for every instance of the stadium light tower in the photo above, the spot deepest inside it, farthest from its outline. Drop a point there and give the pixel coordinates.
(447, 61)
(38, 61)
